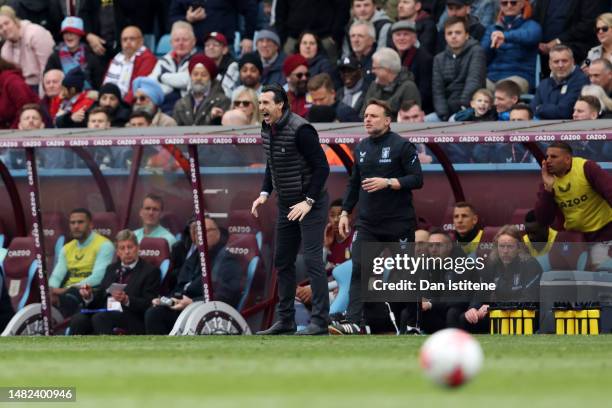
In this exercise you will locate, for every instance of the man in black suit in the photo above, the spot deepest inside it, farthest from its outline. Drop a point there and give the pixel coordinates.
(110, 307)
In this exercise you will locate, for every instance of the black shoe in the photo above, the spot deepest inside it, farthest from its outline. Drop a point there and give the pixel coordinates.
(313, 330)
(347, 328)
(278, 328)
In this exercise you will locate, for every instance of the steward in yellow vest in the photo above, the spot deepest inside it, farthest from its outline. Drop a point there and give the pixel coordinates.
(83, 261)
(580, 189)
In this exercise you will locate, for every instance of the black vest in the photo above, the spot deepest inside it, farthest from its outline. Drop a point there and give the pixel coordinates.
(291, 174)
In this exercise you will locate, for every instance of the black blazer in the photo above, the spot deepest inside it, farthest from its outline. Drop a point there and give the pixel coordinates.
(142, 287)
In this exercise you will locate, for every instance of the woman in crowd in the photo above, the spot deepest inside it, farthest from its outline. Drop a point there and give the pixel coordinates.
(26, 44)
(245, 99)
(603, 29)
(309, 46)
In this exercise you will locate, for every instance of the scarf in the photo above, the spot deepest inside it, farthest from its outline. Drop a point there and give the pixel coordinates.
(408, 58)
(72, 60)
(349, 93)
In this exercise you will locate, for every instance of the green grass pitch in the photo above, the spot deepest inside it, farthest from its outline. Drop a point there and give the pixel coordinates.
(364, 371)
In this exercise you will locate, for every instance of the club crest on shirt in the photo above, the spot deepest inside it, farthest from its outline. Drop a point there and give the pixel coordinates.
(362, 156)
(384, 156)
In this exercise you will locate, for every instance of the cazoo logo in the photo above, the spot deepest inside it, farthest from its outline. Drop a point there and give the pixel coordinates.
(238, 251)
(19, 253)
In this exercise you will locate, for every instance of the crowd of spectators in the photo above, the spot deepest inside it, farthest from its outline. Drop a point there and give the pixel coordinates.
(190, 63)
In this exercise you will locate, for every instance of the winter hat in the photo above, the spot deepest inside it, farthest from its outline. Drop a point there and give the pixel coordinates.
(292, 62)
(75, 78)
(208, 63)
(251, 58)
(267, 34)
(109, 88)
(74, 25)
(150, 87)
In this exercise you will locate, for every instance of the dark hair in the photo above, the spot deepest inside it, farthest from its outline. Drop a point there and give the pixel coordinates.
(382, 104)
(81, 210)
(336, 203)
(530, 216)
(452, 20)
(154, 197)
(142, 114)
(279, 94)
(508, 87)
(465, 204)
(408, 104)
(100, 109)
(524, 107)
(320, 49)
(31, 106)
(440, 231)
(321, 80)
(561, 145)
(592, 101)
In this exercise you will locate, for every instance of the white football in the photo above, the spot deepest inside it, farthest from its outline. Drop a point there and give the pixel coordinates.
(451, 357)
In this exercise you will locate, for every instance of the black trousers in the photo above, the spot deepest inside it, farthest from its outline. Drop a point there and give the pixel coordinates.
(160, 319)
(106, 323)
(367, 235)
(289, 236)
(70, 302)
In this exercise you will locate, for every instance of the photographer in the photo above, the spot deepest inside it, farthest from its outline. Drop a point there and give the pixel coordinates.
(226, 275)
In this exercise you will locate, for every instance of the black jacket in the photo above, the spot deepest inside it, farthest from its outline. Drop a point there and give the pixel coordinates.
(326, 18)
(575, 30)
(142, 287)
(387, 156)
(226, 275)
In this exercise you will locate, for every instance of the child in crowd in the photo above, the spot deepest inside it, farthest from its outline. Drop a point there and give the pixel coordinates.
(480, 110)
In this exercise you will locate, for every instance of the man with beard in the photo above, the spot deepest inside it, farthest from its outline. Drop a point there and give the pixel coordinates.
(556, 96)
(295, 69)
(205, 103)
(247, 72)
(148, 96)
(297, 169)
(110, 99)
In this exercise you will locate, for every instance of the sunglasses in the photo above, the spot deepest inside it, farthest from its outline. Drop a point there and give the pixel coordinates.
(603, 29)
(242, 103)
(509, 3)
(301, 75)
(141, 98)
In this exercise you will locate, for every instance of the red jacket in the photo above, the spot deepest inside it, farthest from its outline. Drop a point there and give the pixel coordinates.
(14, 93)
(143, 66)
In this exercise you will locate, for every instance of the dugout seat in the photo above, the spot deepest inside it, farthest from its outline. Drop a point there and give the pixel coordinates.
(244, 247)
(55, 231)
(486, 241)
(106, 224)
(569, 253)
(243, 222)
(20, 272)
(171, 221)
(518, 218)
(156, 252)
